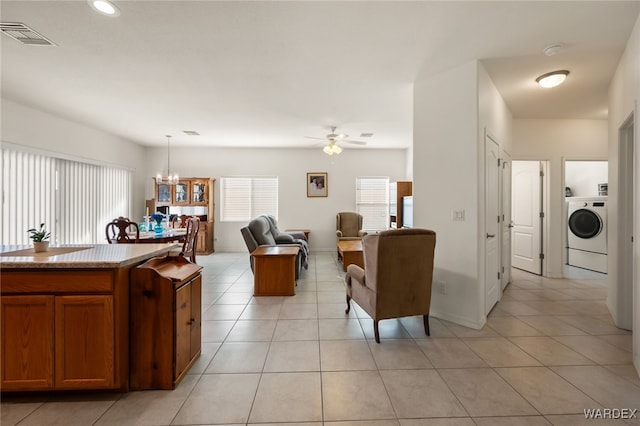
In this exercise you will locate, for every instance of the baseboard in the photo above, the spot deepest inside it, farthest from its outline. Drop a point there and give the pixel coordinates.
(463, 321)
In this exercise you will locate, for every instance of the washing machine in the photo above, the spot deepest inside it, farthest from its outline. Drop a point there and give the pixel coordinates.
(587, 233)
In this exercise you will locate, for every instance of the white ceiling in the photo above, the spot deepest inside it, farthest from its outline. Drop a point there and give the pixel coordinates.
(269, 73)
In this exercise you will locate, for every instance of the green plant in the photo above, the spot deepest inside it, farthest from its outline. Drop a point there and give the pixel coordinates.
(39, 235)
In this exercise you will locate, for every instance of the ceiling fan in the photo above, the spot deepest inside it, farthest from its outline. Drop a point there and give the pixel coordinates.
(332, 141)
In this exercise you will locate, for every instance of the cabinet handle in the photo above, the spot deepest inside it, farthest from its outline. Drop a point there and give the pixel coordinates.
(490, 235)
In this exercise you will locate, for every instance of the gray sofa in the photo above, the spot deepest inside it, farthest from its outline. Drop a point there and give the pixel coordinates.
(263, 231)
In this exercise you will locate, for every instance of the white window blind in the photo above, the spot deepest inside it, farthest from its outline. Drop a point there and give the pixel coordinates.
(74, 199)
(243, 198)
(372, 202)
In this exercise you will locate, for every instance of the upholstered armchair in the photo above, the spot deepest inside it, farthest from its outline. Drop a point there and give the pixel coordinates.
(258, 233)
(397, 276)
(349, 226)
(289, 238)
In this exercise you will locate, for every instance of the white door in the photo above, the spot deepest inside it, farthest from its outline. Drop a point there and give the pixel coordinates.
(506, 220)
(526, 209)
(492, 223)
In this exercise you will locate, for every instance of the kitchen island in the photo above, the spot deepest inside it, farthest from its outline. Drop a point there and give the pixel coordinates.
(65, 315)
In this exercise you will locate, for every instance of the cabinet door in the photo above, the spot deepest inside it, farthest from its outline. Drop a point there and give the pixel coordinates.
(27, 342)
(201, 245)
(84, 342)
(188, 323)
(163, 194)
(181, 193)
(196, 316)
(183, 328)
(199, 192)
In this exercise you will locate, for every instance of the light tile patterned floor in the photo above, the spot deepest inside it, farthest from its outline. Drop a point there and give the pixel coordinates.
(549, 351)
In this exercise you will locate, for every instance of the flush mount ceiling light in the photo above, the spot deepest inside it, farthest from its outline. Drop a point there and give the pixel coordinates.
(552, 79)
(105, 7)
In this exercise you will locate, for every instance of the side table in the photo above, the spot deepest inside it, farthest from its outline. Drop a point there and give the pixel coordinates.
(274, 271)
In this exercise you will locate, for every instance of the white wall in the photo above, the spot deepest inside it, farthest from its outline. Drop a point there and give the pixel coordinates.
(624, 95)
(29, 127)
(26, 126)
(295, 210)
(583, 177)
(451, 111)
(556, 141)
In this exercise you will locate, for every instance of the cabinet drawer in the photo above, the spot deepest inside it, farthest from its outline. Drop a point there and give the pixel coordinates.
(47, 281)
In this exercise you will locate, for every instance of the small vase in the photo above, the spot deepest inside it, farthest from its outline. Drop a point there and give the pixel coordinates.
(157, 228)
(40, 246)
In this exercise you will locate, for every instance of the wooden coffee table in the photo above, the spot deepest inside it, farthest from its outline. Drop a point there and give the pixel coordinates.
(350, 251)
(274, 271)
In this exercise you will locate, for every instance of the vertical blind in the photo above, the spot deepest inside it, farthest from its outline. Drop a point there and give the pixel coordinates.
(243, 198)
(74, 199)
(372, 202)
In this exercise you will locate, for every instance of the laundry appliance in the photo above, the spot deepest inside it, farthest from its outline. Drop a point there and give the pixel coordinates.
(587, 233)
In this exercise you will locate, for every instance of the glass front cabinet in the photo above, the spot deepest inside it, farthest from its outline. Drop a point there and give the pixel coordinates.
(186, 193)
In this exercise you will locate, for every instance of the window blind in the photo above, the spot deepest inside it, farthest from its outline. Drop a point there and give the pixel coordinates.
(243, 198)
(372, 202)
(74, 199)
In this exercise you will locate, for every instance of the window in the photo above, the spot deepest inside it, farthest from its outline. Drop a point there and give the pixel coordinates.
(243, 198)
(74, 199)
(372, 202)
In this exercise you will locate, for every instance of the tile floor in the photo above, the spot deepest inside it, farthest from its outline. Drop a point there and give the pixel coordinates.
(549, 351)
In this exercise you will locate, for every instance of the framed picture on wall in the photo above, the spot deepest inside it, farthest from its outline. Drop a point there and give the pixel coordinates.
(317, 184)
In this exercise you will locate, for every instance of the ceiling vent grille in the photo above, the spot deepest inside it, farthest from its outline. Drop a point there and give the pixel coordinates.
(24, 34)
(191, 132)
(366, 135)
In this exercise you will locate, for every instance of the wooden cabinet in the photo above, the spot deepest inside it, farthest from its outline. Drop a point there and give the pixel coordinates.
(64, 330)
(190, 192)
(397, 190)
(166, 321)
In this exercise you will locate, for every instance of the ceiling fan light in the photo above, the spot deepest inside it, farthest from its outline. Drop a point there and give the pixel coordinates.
(327, 150)
(336, 149)
(552, 79)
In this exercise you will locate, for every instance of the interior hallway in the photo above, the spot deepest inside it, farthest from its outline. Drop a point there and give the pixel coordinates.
(548, 351)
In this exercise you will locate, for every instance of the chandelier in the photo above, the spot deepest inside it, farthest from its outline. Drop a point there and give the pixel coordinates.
(169, 179)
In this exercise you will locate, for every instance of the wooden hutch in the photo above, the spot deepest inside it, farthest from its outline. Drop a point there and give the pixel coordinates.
(189, 192)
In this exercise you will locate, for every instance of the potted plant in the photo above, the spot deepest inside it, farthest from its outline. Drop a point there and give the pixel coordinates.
(40, 238)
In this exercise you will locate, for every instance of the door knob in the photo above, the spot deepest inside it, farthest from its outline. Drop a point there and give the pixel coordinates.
(490, 235)
(510, 225)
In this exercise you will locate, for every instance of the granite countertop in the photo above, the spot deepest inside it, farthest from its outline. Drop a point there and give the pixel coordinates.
(80, 255)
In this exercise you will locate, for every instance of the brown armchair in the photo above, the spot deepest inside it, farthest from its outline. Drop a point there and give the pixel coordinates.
(349, 226)
(397, 275)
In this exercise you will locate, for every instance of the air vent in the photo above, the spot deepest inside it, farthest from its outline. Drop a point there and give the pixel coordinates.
(24, 34)
(366, 135)
(191, 133)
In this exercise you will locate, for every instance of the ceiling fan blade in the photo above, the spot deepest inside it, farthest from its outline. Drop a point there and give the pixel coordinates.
(313, 137)
(353, 142)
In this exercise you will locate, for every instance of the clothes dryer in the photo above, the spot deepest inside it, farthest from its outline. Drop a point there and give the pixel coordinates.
(587, 233)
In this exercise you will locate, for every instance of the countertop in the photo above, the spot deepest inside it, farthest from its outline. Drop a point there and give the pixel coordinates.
(80, 255)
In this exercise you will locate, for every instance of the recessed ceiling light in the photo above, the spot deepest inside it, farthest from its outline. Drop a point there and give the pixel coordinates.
(552, 79)
(105, 7)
